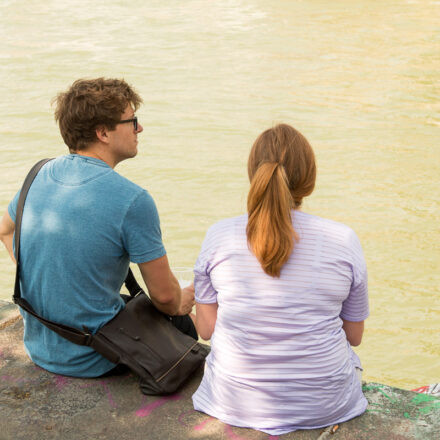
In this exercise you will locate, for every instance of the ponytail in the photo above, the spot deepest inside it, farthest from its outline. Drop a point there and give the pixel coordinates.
(269, 230)
(282, 171)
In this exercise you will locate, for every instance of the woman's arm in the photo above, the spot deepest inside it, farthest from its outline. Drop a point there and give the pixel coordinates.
(353, 331)
(206, 317)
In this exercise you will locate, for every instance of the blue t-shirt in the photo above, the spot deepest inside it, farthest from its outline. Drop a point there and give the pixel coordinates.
(82, 225)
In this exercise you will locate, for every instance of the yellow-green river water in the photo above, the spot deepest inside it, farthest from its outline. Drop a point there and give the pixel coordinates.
(360, 79)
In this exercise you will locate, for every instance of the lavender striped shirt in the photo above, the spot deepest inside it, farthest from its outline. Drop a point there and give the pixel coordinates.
(280, 360)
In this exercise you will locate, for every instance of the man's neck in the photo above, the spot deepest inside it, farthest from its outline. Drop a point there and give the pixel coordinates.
(96, 154)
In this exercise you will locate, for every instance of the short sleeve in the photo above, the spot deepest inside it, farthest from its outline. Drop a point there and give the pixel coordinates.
(205, 292)
(141, 234)
(12, 207)
(355, 308)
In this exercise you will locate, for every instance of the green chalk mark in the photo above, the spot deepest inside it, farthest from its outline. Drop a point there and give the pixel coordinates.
(434, 403)
(421, 398)
(388, 397)
(372, 387)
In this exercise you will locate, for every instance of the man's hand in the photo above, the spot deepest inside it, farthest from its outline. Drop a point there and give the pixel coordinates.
(187, 300)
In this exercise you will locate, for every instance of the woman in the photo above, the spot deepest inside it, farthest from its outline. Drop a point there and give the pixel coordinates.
(282, 294)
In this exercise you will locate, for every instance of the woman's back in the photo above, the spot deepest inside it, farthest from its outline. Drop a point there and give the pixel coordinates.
(280, 360)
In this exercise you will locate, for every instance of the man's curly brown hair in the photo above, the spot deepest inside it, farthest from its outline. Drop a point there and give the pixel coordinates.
(90, 103)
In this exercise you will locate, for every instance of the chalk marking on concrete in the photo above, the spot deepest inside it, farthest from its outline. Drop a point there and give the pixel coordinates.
(197, 427)
(200, 426)
(228, 429)
(182, 415)
(9, 322)
(419, 406)
(230, 434)
(103, 384)
(8, 378)
(420, 399)
(61, 382)
(391, 399)
(148, 409)
(111, 401)
(18, 380)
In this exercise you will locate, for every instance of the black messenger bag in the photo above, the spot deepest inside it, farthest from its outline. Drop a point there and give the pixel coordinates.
(139, 336)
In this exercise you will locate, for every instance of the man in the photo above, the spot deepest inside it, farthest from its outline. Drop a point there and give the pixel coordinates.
(82, 225)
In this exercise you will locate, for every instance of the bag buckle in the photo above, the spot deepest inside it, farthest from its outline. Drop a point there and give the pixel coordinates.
(138, 293)
(88, 336)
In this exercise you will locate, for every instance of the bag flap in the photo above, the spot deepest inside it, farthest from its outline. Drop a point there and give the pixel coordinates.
(147, 336)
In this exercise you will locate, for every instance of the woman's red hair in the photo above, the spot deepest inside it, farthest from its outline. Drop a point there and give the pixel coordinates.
(282, 171)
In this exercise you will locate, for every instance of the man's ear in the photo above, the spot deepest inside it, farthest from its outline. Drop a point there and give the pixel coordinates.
(102, 134)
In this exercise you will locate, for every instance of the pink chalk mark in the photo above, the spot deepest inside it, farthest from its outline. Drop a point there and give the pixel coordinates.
(61, 382)
(231, 434)
(200, 426)
(9, 378)
(181, 415)
(103, 384)
(88, 385)
(273, 437)
(20, 380)
(13, 379)
(111, 401)
(148, 409)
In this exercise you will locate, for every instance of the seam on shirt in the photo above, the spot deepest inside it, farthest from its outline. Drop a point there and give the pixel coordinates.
(93, 160)
(160, 250)
(348, 318)
(12, 213)
(205, 302)
(83, 182)
(356, 270)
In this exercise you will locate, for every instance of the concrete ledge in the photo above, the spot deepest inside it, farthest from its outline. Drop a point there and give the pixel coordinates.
(36, 404)
(8, 313)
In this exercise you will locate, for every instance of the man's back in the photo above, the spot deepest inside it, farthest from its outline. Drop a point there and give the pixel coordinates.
(82, 225)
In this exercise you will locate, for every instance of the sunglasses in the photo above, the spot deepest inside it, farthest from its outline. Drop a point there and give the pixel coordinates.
(134, 120)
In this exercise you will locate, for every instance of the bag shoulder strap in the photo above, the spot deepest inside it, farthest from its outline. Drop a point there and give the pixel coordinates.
(70, 333)
(18, 218)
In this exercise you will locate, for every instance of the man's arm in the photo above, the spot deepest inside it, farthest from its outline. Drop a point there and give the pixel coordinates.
(206, 317)
(164, 289)
(7, 227)
(353, 331)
